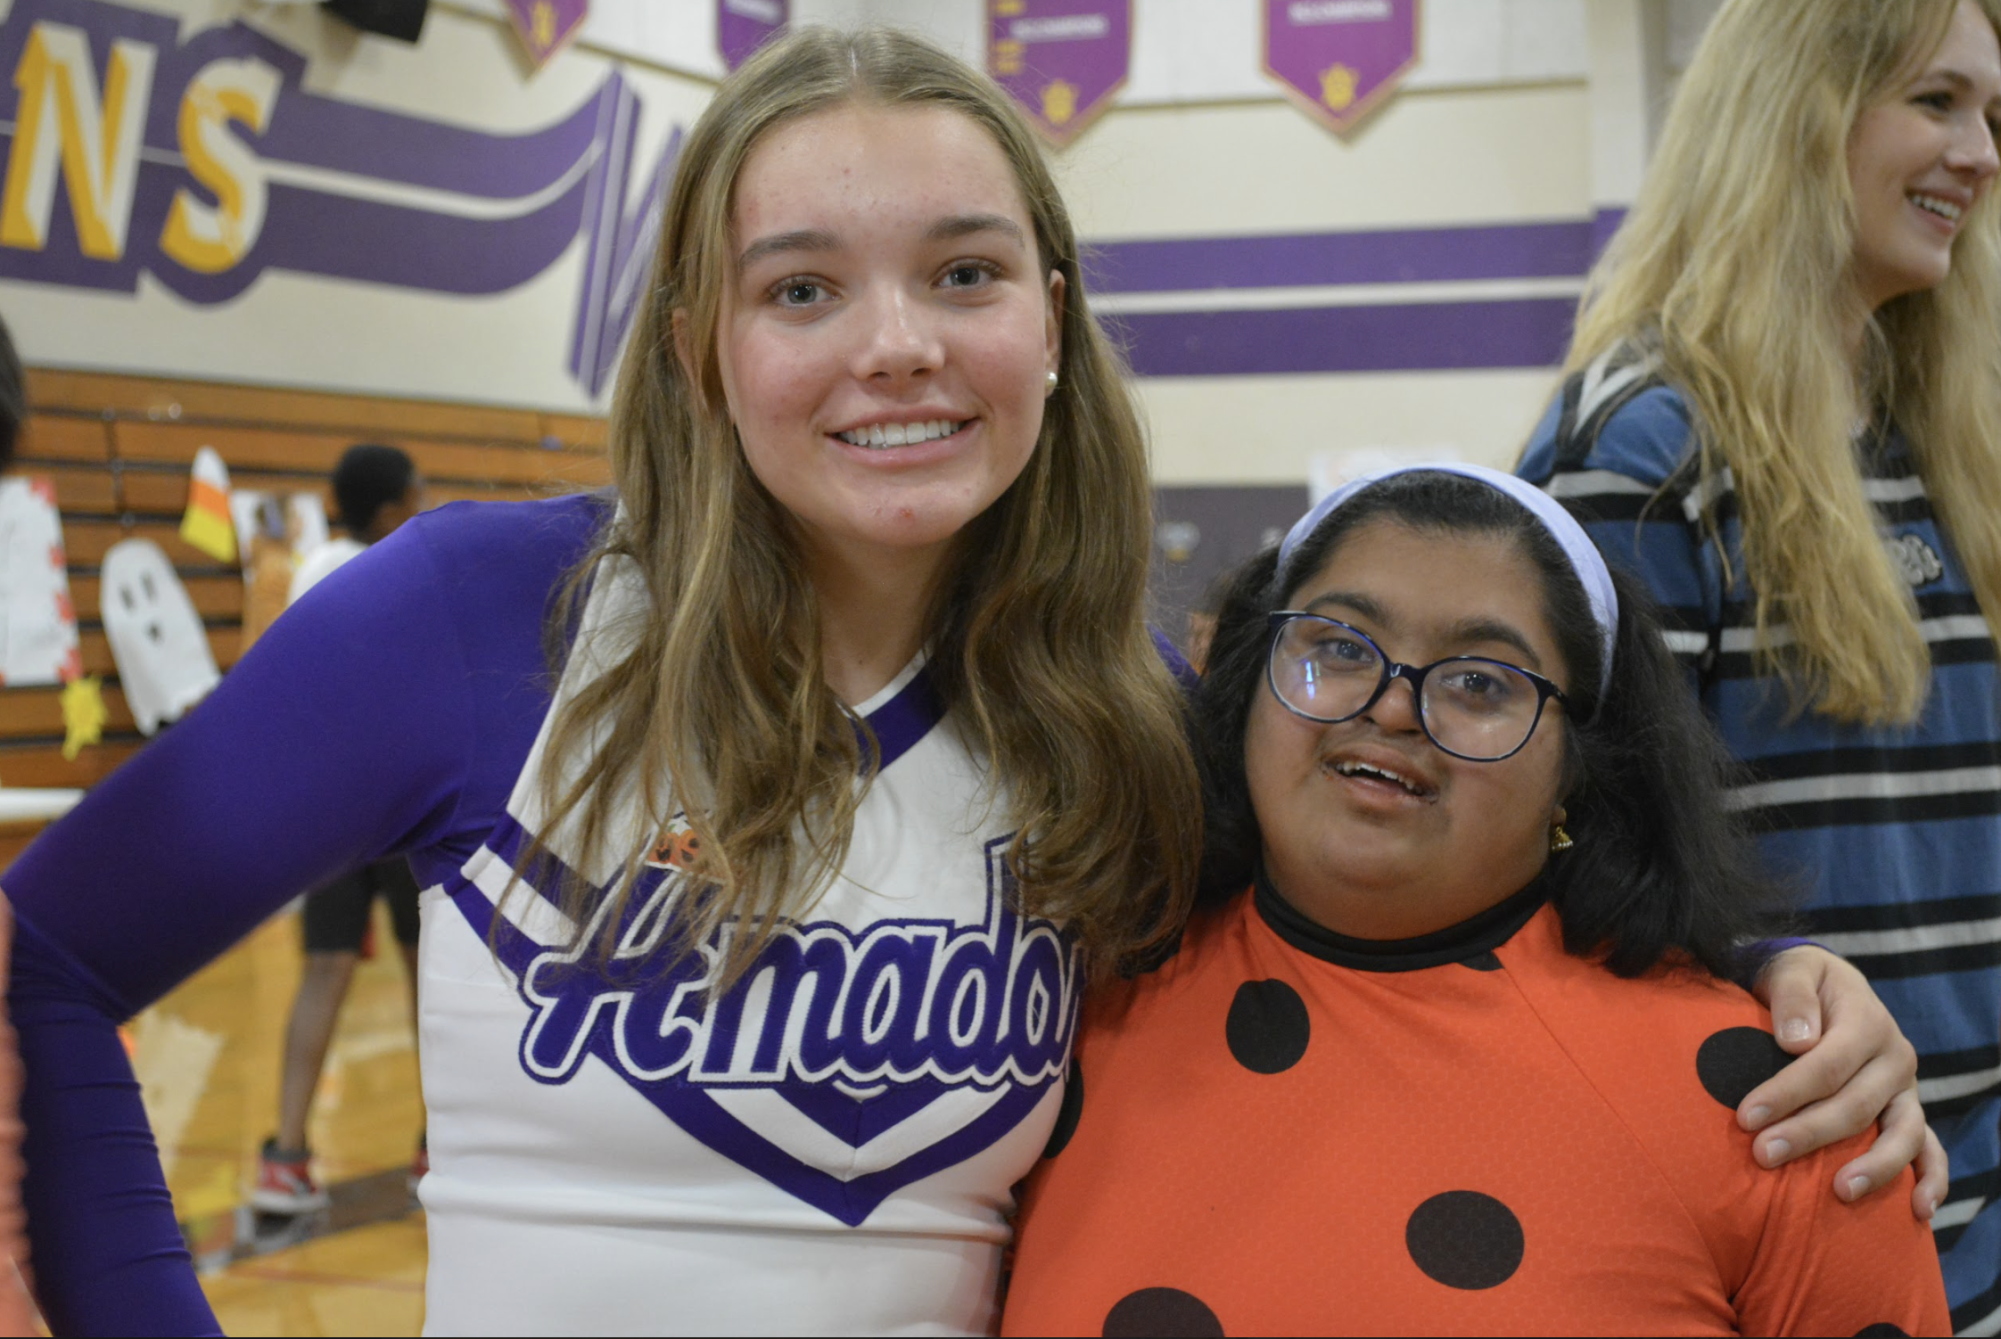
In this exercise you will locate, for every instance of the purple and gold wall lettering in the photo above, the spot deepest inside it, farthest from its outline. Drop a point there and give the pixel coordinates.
(203, 164)
(1062, 60)
(1340, 59)
(742, 26)
(546, 26)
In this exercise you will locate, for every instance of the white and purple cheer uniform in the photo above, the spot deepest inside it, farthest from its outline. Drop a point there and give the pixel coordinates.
(830, 1146)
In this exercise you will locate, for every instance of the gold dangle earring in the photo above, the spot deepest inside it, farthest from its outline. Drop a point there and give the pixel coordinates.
(1559, 840)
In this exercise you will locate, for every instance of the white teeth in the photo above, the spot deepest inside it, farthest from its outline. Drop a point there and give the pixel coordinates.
(1945, 209)
(880, 435)
(1364, 769)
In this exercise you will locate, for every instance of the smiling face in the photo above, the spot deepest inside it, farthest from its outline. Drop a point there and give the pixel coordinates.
(885, 343)
(1921, 157)
(1370, 829)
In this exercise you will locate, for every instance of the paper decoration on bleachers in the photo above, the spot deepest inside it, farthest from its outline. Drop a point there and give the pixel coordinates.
(38, 643)
(546, 26)
(84, 715)
(1340, 59)
(742, 26)
(207, 524)
(269, 559)
(305, 524)
(157, 638)
(1062, 60)
(275, 532)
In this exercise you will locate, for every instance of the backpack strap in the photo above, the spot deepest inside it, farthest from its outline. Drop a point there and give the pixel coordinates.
(1592, 396)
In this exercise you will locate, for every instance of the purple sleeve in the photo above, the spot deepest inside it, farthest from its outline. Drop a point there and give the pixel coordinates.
(357, 727)
(110, 1259)
(1177, 664)
(1758, 955)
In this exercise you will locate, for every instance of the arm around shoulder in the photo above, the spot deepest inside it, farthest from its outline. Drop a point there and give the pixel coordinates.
(1825, 1267)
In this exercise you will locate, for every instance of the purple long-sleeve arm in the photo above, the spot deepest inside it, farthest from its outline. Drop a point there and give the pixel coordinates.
(388, 712)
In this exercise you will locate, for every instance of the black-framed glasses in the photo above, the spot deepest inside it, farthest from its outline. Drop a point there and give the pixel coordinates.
(1471, 707)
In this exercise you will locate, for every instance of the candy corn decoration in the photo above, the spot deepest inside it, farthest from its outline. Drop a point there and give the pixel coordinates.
(206, 525)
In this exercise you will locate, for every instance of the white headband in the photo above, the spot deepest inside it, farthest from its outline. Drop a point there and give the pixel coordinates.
(1585, 560)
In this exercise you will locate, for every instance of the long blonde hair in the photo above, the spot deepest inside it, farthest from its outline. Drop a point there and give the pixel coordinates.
(1038, 644)
(1734, 263)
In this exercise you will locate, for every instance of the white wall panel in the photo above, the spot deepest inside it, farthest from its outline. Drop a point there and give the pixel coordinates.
(678, 35)
(1208, 50)
(1543, 40)
(1267, 429)
(1453, 157)
(1194, 51)
(1497, 130)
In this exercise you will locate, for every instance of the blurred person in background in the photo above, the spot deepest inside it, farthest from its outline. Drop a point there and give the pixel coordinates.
(1783, 412)
(13, 398)
(376, 489)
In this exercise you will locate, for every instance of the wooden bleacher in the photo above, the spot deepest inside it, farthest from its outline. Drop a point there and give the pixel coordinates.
(119, 449)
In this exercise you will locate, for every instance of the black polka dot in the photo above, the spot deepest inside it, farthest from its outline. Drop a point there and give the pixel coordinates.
(1489, 961)
(1068, 1114)
(1268, 1028)
(1736, 1060)
(1882, 1329)
(1464, 1239)
(1163, 1311)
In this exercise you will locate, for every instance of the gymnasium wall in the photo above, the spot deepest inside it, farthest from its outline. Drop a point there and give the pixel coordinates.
(432, 221)
(444, 222)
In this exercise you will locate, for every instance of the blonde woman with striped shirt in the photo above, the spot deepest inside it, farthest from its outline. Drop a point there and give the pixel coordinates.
(1782, 409)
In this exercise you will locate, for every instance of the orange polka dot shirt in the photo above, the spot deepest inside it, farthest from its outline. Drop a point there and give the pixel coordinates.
(1287, 1131)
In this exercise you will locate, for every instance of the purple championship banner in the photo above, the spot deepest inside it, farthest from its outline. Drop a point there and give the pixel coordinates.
(204, 164)
(546, 26)
(1340, 59)
(1062, 60)
(742, 26)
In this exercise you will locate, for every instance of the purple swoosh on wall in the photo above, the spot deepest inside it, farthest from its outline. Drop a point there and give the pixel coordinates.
(490, 212)
(385, 146)
(1525, 331)
(1430, 336)
(342, 238)
(367, 142)
(1541, 250)
(619, 259)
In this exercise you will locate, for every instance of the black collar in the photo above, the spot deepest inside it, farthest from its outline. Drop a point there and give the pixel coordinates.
(1469, 939)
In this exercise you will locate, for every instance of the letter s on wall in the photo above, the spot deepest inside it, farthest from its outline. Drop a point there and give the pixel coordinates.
(211, 238)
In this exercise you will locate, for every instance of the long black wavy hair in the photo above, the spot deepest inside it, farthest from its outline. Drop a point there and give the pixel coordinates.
(1659, 869)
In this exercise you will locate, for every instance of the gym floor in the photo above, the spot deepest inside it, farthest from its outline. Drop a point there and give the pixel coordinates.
(208, 1057)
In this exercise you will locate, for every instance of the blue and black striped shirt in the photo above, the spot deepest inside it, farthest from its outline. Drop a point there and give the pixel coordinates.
(1893, 835)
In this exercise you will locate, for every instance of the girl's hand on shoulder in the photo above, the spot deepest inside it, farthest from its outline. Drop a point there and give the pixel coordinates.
(1855, 1068)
